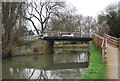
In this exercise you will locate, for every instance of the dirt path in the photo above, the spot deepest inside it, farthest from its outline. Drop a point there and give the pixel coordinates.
(112, 62)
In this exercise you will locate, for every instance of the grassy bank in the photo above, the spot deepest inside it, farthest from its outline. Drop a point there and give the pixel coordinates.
(72, 45)
(25, 42)
(96, 69)
(64, 42)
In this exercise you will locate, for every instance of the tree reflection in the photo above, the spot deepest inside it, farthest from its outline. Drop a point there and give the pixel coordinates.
(48, 66)
(31, 74)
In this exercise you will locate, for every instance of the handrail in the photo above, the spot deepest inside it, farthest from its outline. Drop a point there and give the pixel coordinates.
(99, 36)
(112, 37)
(112, 40)
(101, 43)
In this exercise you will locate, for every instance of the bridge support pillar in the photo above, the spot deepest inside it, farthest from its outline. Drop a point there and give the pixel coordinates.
(49, 47)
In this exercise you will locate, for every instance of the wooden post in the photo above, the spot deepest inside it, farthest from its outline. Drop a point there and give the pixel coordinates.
(103, 55)
(104, 46)
(103, 50)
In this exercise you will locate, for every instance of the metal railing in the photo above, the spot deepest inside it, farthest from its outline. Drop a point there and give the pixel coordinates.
(62, 34)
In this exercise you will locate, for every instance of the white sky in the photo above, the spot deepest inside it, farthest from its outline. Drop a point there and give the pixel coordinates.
(88, 7)
(91, 7)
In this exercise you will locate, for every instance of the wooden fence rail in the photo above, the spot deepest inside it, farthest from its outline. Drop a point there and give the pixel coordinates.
(98, 40)
(112, 40)
(101, 43)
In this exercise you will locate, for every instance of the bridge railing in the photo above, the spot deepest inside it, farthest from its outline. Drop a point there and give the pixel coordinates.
(60, 34)
(112, 40)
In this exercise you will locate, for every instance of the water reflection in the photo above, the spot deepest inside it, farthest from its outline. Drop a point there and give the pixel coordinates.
(60, 65)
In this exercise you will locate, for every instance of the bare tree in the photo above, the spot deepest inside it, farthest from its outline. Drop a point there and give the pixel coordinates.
(66, 21)
(12, 22)
(86, 25)
(40, 13)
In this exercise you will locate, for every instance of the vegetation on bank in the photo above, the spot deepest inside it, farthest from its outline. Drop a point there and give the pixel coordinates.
(64, 42)
(71, 45)
(25, 42)
(97, 68)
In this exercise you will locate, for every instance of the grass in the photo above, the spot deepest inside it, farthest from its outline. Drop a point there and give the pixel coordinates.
(71, 45)
(25, 42)
(64, 42)
(97, 68)
(31, 40)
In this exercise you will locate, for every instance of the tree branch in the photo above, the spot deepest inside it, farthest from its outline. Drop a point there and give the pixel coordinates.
(33, 25)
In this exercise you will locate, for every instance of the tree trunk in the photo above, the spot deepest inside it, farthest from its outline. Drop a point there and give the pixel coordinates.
(6, 45)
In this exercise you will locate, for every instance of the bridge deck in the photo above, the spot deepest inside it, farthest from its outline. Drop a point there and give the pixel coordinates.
(68, 38)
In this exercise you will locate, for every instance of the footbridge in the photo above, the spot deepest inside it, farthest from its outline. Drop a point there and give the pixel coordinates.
(66, 36)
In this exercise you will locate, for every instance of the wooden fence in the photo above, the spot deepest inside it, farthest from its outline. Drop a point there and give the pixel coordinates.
(101, 43)
(98, 41)
(112, 40)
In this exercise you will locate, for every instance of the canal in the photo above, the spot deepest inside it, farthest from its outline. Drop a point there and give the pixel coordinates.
(64, 63)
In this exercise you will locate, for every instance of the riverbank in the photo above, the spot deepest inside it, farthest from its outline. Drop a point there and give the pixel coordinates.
(32, 47)
(72, 46)
(97, 68)
(25, 42)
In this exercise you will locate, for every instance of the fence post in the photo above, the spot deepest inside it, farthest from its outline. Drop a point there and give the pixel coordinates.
(103, 50)
(101, 44)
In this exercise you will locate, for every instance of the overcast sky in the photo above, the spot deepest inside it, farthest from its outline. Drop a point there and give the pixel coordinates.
(91, 7)
(88, 7)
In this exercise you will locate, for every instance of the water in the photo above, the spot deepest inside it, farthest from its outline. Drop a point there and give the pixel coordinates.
(63, 64)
